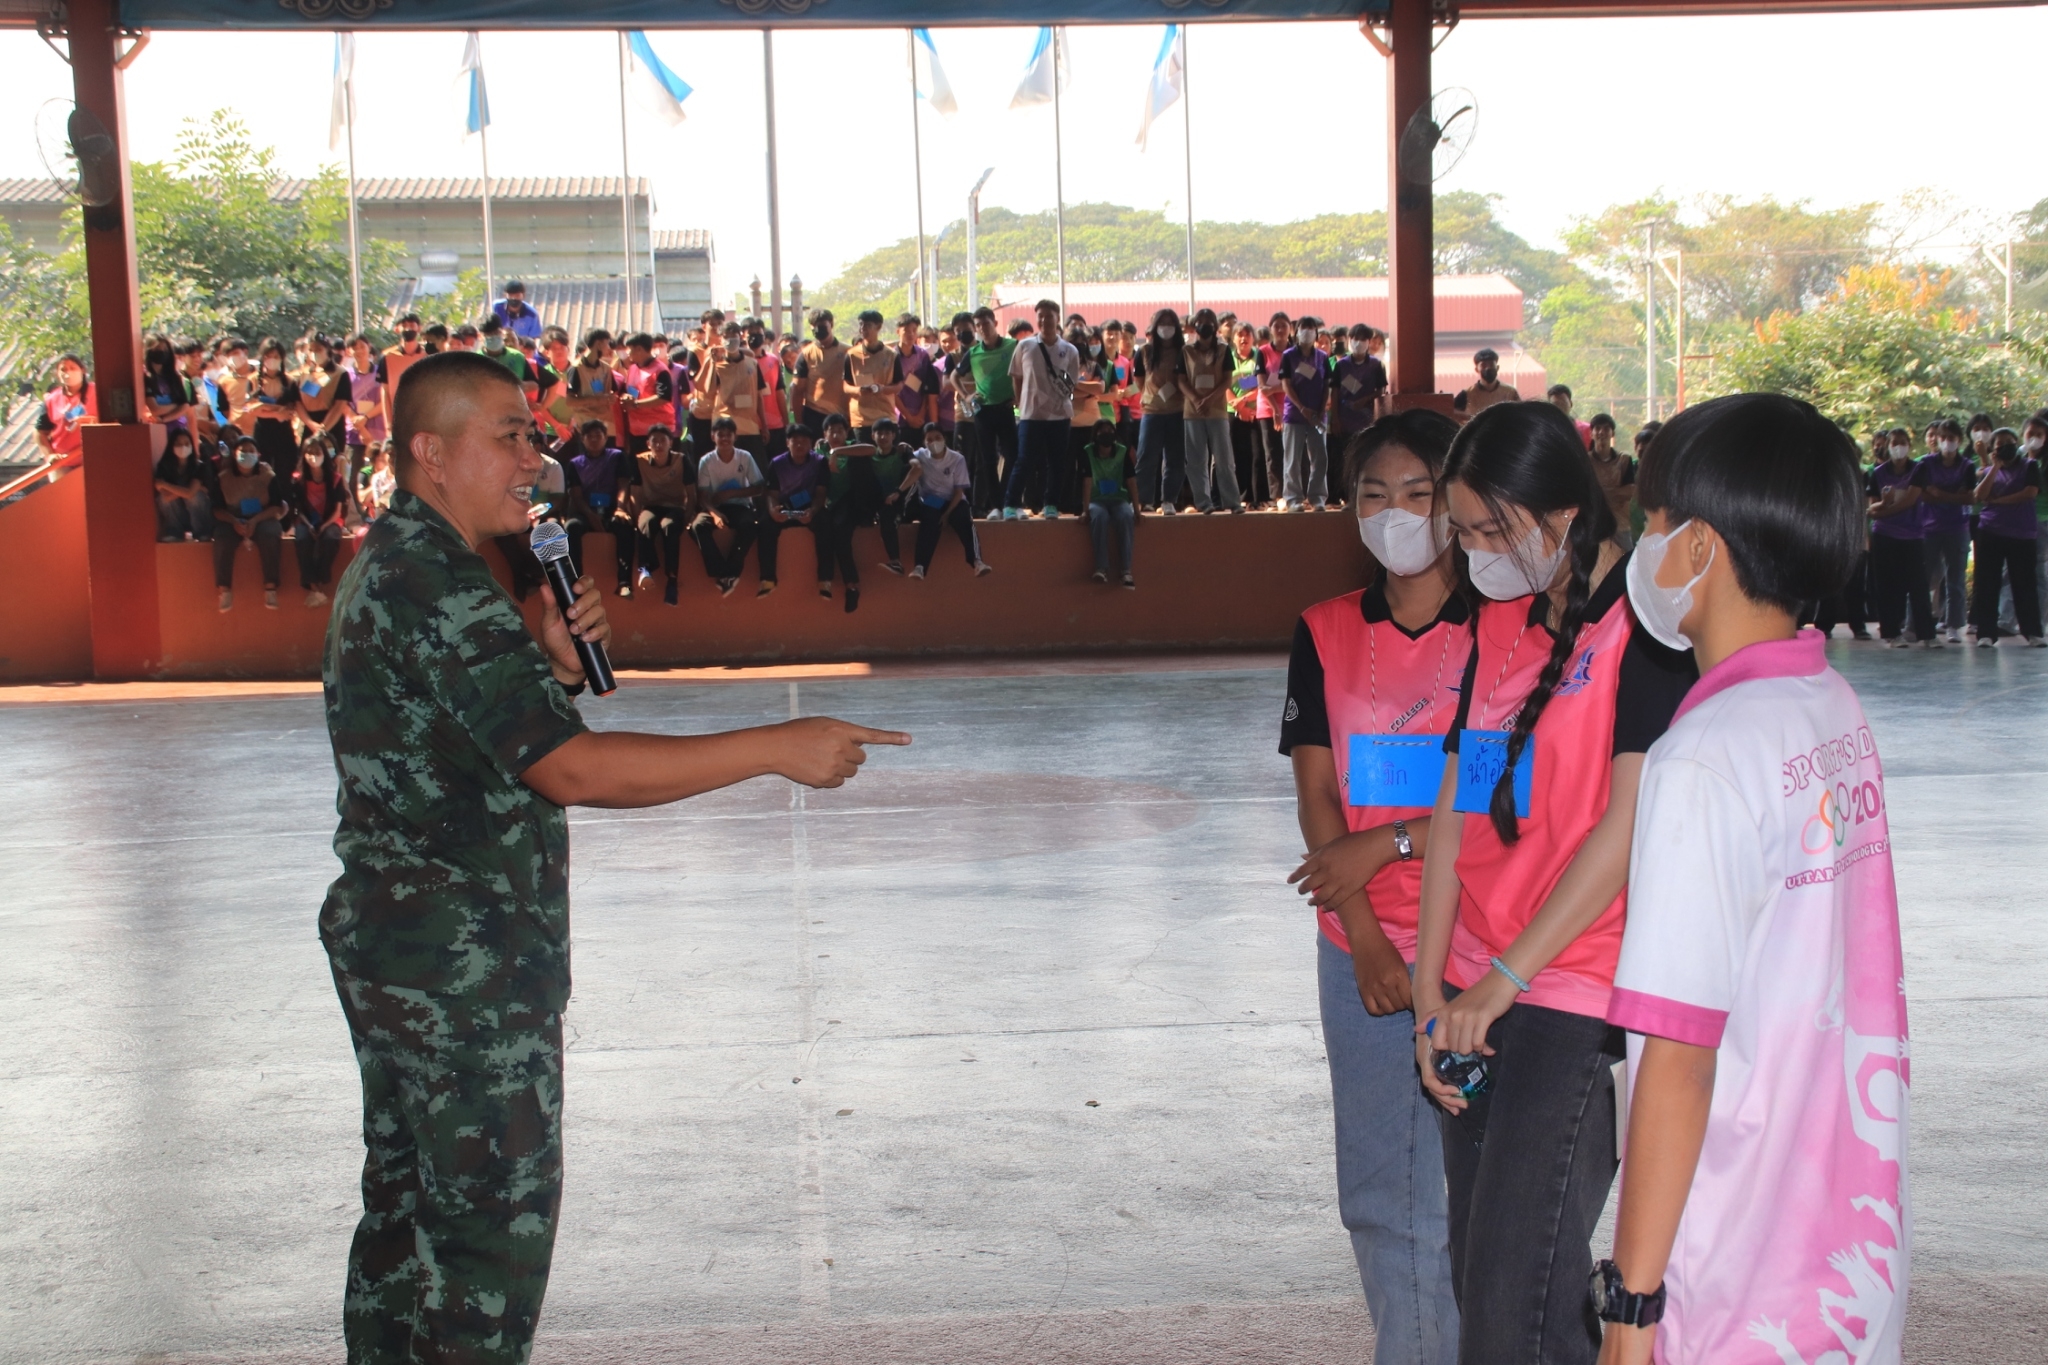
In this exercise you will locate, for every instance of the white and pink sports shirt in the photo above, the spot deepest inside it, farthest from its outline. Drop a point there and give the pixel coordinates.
(1763, 921)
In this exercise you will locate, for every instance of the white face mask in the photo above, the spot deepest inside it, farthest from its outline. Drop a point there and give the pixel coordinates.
(246, 462)
(1504, 577)
(937, 449)
(1403, 541)
(1168, 333)
(1949, 445)
(2032, 445)
(1659, 609)
(1901, 451)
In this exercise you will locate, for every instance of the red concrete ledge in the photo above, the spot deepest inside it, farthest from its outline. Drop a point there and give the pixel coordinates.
(1205, 584)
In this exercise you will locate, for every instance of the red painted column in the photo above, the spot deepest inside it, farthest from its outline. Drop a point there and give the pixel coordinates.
(120, 506)
(94, 30)
(1411, 268)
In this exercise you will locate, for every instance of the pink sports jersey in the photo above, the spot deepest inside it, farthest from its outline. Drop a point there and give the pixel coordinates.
(1505, 885)
(1763, 922)
(1377, 681)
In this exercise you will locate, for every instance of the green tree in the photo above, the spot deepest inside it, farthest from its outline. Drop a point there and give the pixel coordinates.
(1884, 348)
(1107, 242)
(216, 251)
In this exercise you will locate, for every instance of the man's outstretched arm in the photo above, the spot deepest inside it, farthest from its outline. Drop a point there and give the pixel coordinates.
(619, 769)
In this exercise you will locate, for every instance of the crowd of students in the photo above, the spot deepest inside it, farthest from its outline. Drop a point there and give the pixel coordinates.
(1051, 417)
(1598, 846)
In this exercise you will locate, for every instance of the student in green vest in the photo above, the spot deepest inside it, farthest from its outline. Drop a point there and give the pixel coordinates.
(1109, 475)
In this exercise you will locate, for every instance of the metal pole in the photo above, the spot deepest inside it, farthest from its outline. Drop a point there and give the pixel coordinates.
(774, 207)
(1650, 330)
(1187, 123)
(483, 141)
(1059, 190)
(2008, 286)
(1412, 285)
(973, 237)
(1678, 327)
(625, 188)
(924, 289)
(355, 258)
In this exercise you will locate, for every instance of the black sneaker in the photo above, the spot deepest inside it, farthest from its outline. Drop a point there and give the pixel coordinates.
(726, 586)
(852, 597)
(668, 594)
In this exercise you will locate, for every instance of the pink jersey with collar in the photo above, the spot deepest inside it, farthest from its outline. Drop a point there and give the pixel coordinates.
(1377, 681)
(1763, 922)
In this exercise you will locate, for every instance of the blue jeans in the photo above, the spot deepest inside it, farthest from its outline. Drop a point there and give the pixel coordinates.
(1948, 557)
(1162, 438)
(1103, 517)
(1390, 1172)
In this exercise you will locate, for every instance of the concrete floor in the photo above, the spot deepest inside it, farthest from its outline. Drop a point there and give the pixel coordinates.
(833, 1056)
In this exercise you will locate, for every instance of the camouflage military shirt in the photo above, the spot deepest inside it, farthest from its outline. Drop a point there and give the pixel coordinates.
(454, 873)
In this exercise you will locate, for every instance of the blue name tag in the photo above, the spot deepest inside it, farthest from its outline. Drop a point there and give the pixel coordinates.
(1396, 770)
(1482, 754)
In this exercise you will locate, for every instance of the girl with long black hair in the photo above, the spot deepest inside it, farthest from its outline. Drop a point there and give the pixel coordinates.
(274, 398)
(1371, 689)
(1161, 371)
(1524, 891)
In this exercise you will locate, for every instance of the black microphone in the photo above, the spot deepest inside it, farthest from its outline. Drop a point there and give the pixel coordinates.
(551, 548)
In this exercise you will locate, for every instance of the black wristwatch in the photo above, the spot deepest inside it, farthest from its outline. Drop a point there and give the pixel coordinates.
(1613, 1303)
(1403, 845)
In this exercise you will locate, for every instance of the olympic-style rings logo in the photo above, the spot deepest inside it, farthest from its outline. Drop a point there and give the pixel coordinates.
(1842, 807)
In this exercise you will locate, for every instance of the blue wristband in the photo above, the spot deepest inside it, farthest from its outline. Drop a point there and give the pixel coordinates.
(1509, 973)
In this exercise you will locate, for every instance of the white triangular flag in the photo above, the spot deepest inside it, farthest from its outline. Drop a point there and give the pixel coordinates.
(929, 76)
(1167, 79)
(1047, 65)
(659, 88)
(343, 105)
(479, 116)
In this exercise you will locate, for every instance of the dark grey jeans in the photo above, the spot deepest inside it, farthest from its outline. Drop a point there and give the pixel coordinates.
(1528, 1166)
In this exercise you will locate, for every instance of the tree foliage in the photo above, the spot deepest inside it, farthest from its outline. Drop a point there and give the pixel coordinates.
(216, 252)
(1107, 242)
(1885, 348)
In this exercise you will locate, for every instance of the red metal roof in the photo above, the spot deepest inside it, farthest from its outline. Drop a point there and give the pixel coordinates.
(1489, 304)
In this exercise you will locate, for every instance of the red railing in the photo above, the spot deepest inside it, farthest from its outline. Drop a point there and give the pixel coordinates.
(26, 481)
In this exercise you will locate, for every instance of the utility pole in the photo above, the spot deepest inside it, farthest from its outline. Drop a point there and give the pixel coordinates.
(1650, 325)
(774, 209)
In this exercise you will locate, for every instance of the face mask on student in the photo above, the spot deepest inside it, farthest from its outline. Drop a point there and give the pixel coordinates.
(1900, 450)
(1950, 445)
(2032, 445)
(937, 446)
(245, 460)
(1167, 332)
(1403, 541)
(1207, 331)
(821, 332)
(494, 344)
(1504, 577)
(1659, 609)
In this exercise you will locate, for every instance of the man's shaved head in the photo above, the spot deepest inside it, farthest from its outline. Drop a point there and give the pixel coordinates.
(438, 395)
(459, 443)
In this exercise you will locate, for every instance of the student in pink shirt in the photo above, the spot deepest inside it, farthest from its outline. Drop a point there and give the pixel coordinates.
(1371, 688)
(1763, 1195)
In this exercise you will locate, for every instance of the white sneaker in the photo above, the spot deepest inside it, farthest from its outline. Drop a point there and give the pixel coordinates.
(2037, 642)
(917, 571)
(1931, 642)
(1955, 637)
(227, 599)
(981, 570)
(1986, 642)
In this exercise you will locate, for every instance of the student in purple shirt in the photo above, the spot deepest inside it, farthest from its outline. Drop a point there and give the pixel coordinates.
(599, 477)
(1945, 513)
(796, 499)
(2008, 536)
(1360, 382)
(1898, 568)
(1305, 380)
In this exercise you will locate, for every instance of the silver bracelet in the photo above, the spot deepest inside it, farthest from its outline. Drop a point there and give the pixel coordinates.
(1509, 973)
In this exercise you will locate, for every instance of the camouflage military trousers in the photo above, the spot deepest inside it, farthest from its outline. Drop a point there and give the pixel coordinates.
(462, 1180)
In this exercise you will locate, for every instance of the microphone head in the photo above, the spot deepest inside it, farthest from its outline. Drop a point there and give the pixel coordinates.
(550, 541)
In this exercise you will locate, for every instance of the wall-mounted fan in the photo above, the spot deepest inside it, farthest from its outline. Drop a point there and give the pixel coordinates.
(78, 153)
(1437, 135)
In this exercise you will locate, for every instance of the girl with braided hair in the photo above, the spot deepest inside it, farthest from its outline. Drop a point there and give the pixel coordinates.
(1524, 891)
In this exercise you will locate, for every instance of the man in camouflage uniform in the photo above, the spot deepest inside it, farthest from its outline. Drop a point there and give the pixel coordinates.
(457, 748)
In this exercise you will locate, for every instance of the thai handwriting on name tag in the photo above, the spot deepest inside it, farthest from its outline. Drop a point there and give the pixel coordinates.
(1482, 757)
(1395, 770)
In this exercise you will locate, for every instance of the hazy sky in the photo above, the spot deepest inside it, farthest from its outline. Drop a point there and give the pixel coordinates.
(1288, 118)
